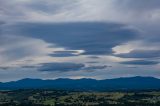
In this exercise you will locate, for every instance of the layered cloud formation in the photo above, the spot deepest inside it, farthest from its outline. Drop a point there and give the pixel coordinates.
(79, 38)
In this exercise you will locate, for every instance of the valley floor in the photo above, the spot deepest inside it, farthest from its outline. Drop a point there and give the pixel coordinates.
(35, 97)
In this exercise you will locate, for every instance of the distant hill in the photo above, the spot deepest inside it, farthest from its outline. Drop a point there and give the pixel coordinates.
(131, 83)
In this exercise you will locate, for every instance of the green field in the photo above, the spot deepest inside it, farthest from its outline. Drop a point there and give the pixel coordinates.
(36, 97)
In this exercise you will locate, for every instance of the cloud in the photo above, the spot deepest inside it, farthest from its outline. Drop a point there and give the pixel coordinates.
(94, 57)
(125, 11)
(61, 67)
(93, 37)
(35, 32)
(96, 67)
(64, 54)
(14, 49)
(49, 10)
(140, 62)
(92, 62)
(4, 68)
(140, 54)
(139, 5)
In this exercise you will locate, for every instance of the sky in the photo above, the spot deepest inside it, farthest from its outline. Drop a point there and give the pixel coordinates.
(99, 39)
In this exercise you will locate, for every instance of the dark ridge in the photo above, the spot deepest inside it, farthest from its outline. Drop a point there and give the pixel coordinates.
(128, 83)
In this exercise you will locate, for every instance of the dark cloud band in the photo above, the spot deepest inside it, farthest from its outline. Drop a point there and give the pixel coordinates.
(93, 37)
(61, 67)
(141, 54)
(140, 62)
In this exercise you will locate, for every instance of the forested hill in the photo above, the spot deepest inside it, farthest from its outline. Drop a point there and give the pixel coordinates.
(130, 83)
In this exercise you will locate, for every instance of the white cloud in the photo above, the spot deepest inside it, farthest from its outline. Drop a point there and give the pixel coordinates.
(18, 48)
(124, 11)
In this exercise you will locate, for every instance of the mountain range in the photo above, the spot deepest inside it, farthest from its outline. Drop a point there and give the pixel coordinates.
(128, 83)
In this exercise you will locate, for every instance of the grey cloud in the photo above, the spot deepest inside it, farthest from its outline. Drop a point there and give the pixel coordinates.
(140, 62)
(53, 10)
(2, 23)
(142, 13)
(62, 10)
(52, 7)
(96, 67)
(68, 66)
(94, 57)
(29, 67)
(92, 62)
(132, 67)
(4, 68)
(141, 54)
(61, 67)
(11, 51)
(15, 48)
(64, 54)
(139, 4)
(93, 37)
